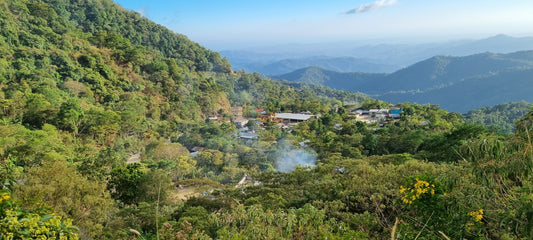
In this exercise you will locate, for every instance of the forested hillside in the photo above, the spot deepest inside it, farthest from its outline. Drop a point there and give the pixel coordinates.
(96, 16)
(455, 83)
(113, 127)
(333, 79)
(500, 118)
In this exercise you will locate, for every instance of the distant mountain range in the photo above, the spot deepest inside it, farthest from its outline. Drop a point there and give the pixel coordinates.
(455, 83)
(354, 57)
(340, 64)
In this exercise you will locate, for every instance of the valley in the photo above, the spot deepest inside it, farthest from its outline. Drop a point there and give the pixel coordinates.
(455, 83)
(115, 126)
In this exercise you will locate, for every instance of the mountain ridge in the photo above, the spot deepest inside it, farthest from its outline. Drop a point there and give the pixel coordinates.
(382, 57)
(435, 79)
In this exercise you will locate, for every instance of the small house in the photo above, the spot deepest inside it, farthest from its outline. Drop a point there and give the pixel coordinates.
(248, 135)
(260, 111)
(395, 111)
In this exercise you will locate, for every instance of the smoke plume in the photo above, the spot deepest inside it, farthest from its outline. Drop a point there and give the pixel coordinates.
(289, 157)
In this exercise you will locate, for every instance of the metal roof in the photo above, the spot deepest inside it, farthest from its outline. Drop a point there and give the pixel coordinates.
(293, 116)
(246, 135)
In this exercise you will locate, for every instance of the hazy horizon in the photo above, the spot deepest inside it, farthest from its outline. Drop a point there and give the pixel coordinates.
(237, 24)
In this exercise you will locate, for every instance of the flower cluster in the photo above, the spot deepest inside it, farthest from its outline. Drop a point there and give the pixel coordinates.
(4, 196)
(477, 215)
(419, 188)
(25, 225)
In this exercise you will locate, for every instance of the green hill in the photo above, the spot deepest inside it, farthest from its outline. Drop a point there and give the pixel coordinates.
(86, 85)
(500, 118)
(331, 78)
(96, 16)
(455, 83)
(112, 127)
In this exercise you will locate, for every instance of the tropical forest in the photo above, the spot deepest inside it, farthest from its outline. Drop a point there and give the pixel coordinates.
(115, 127)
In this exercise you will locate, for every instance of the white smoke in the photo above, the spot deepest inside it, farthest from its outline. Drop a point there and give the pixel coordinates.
(289, 157)
(372, 6)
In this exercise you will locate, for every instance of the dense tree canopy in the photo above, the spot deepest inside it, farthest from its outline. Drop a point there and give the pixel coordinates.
(113, 126)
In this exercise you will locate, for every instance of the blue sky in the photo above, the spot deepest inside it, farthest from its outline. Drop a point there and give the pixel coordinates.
(233, 24)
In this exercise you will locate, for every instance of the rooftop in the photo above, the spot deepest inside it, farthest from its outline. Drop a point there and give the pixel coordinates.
(247, 135)
(293, 116)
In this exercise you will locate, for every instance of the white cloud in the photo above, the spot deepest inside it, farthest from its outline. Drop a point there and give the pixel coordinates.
(372, 6)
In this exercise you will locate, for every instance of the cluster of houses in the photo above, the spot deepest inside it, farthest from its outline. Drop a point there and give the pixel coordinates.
(376, 115)
(287, 120)
(284, 120)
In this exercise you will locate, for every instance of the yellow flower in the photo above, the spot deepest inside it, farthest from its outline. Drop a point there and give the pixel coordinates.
(477, 215)
(416, 190)
(4, 196)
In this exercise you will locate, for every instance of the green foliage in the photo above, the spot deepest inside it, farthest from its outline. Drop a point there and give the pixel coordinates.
(69, 116)
(303, 223)
(28, 148)
(10, 172)
(17, 223)
(95, 17)
(126, 183)
(445, 147)
(84, 86)
(58, 186)
(500, 118)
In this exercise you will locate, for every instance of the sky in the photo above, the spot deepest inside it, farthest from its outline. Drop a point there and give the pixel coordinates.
(235, 24)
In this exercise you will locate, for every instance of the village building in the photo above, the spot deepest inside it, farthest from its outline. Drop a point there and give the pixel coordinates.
(260, 111)
(360, 112)
(377, 115)
(395, 113)
(248, 135)
(291, 118)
